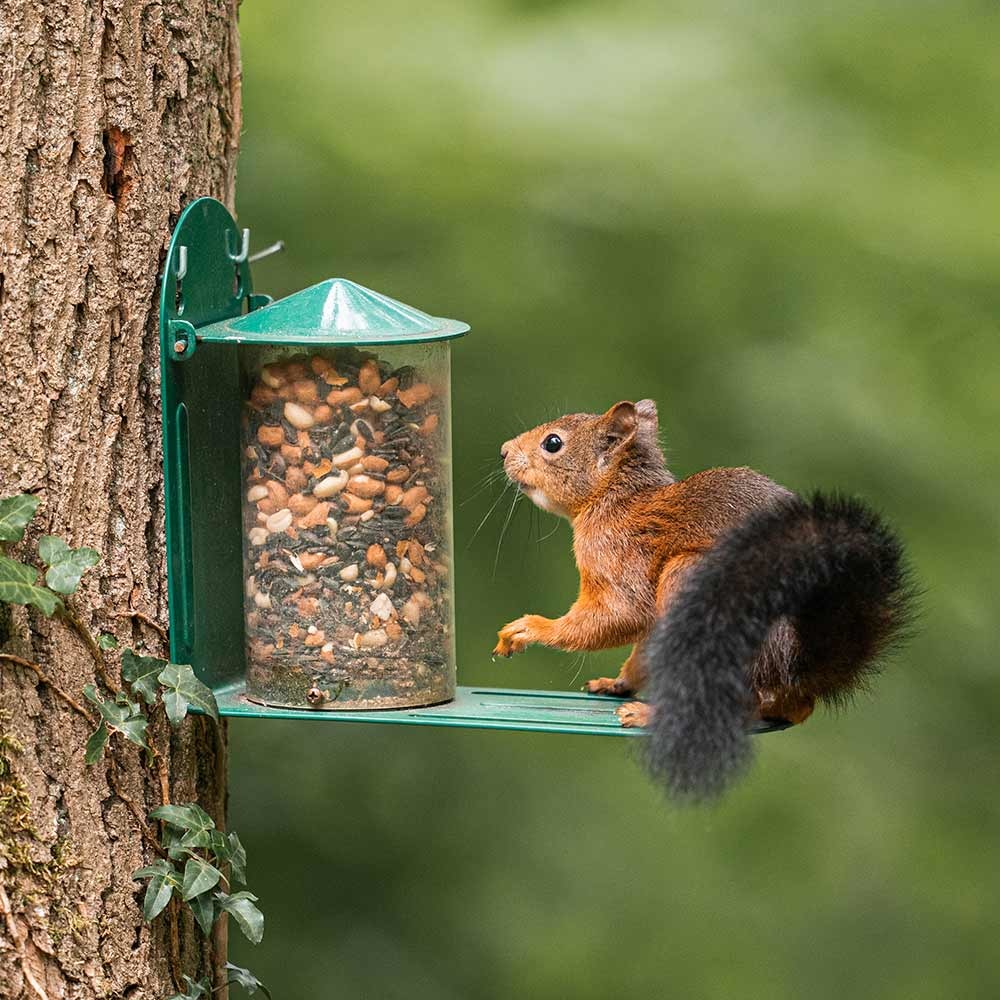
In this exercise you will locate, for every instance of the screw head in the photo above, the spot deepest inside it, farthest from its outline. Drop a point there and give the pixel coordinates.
(180, 346)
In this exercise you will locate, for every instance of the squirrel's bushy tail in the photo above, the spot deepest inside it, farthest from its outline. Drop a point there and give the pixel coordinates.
(830, 567)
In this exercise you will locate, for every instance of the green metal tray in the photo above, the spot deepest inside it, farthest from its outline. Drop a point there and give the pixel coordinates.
(473, 708)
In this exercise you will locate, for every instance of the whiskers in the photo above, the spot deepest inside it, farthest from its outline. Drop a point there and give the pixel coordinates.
(506, 525)
(493, 506)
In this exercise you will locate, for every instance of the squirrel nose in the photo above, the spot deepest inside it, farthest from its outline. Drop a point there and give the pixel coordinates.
(504, 448)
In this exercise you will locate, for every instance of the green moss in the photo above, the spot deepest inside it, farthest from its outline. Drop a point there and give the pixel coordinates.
(36, 878)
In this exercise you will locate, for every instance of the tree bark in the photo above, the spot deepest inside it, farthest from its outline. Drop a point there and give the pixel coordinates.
(112, 116)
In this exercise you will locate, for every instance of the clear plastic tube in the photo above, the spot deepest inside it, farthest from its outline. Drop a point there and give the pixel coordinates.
(348, 527)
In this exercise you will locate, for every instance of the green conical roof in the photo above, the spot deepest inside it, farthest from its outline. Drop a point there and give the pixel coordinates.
(336, 311)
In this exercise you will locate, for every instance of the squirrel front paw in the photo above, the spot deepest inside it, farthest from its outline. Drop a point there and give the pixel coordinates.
(516, 636)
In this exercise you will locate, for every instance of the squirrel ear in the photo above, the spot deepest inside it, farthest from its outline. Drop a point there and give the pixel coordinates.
(621, 421)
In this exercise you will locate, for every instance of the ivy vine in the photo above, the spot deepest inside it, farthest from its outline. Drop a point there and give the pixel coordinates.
(197, 865)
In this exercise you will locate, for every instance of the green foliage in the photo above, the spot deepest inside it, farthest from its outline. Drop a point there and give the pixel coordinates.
(163, 880)
(193, 838)
(236, 976)
(190, 836)
(199, 877)
(19, 585)
(246, 979)
(241, 906)
(195, 989)
(96, 743)
(65, 565)
(120, 716)
(141, 673)
(179, 688)
(183, 691)
(15, 513)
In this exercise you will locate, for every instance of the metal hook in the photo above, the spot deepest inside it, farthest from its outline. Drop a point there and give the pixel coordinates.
(182, 263)
(244, 248)
(267, 251)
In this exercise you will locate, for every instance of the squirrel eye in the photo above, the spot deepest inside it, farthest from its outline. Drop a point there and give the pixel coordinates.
(552, 443)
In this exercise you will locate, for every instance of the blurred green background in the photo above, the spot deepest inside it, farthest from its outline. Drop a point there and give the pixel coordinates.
(778, 220)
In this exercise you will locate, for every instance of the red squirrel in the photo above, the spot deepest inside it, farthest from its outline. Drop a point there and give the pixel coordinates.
(741, 599)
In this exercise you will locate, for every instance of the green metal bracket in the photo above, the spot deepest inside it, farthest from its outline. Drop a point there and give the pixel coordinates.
(206, 278)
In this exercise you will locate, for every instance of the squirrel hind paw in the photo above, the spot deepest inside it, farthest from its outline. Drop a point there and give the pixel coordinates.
(634, 715)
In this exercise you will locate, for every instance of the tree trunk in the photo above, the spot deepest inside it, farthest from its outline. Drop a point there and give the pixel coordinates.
(112, 116)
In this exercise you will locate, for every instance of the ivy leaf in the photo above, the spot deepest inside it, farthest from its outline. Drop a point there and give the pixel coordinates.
(122, 716)
(246, 979)
(187, 816)
(66, 565)
(15, 513)
(134, 730)
(107, 641)
(203, 907)
(95, 745)
(158, 867)
(171, 842)
(184, 691)
(240, 905)
(141, 673)
(237, 858)
(163, 879)
(18, 585)
(195, 990)
(199, 877)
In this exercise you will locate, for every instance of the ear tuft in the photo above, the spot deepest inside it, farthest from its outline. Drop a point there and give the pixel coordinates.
(649, 424)
(646, 409)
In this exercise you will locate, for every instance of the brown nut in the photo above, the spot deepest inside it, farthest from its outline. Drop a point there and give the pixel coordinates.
(277, 493)
(356, 504)
(365, 486)
(304, 390)
(316, 518)
(300, 504)
(393, 494)
(398, 475)
(369, 378)
(307, 607)
(344, 397)
(417, 394)
(414, 496)
(376, 556)
(295, 479)
(261, 396)
(375, 463)
(270, 435)
(416, 515)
